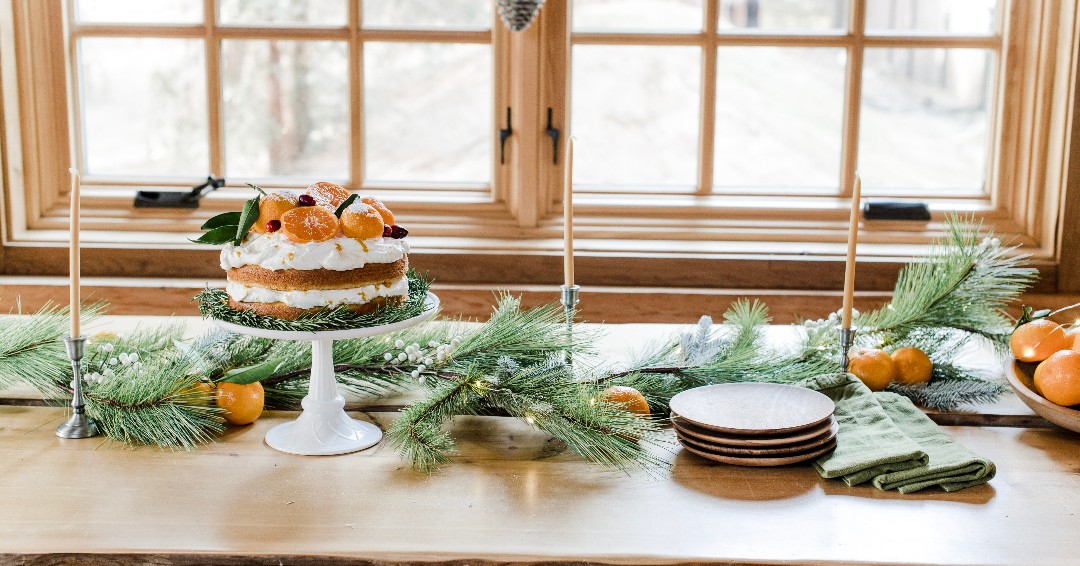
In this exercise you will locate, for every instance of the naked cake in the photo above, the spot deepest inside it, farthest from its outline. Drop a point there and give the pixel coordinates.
(325, 248)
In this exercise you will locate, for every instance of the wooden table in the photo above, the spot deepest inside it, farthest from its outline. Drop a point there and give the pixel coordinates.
(513, 495)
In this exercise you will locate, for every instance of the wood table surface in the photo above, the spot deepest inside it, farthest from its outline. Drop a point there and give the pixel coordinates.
(512, 495)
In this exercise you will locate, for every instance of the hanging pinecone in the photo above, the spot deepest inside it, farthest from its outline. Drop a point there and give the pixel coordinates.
(518, 14)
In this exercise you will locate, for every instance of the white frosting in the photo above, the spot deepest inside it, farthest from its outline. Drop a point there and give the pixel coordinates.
(274, 251)
(316, 297)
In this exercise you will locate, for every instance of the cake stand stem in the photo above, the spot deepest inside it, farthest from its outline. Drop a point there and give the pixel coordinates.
(323, 428)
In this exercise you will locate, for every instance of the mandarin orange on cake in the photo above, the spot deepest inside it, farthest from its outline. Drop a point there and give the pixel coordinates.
(328, 194)
(271, 207)
(873, 367)
(1058, 378)
(309, 224)
(362, 221)
(388, 217)
(1037, 340)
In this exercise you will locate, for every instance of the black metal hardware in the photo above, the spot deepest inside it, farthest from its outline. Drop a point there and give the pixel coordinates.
(503, 135)
(553, 133)
(157, 199)
(917, 211)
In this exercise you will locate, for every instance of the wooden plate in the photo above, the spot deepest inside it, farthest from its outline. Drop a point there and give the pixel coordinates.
(788, 450)
(753, 408)
(1020, 376)
(762, 462)
(749, 449)
(757, 441)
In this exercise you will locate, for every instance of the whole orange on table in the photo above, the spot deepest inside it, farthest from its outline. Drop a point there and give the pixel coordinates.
(1037, 340)
(873, 367)
(913, 366)
(1058, 378)
(242, 403)
(631, 399)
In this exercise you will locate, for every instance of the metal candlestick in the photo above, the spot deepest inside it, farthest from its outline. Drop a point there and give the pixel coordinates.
(78, 424)
(847, 340)
(570, 302)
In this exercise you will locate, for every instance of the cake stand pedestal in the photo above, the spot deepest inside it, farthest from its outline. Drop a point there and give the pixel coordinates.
(323, 428)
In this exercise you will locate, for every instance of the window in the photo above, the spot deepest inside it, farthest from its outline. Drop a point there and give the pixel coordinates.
(704, 128)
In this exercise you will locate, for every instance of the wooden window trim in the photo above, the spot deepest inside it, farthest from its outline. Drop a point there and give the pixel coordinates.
(517, 215)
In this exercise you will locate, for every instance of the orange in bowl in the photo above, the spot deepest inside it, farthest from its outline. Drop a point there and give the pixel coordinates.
(1058, 378)
(309, 224)
(1037, 340)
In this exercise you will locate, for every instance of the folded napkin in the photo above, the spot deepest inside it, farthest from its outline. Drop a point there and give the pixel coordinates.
(883, 438)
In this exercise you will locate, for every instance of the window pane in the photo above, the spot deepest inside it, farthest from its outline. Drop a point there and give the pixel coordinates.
(139, 11)
(935, 16)
(143, 106)
(924, 124)
(635, 115)
(779, 117)
(286, 108)
(647, 15)
(428, 13)
(293, 12)
(747, 15)
(427, 112)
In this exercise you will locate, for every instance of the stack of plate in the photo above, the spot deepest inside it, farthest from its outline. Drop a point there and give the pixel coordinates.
(754, 424)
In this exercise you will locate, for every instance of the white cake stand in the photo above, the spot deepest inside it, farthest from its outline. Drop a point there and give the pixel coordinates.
(323, 428)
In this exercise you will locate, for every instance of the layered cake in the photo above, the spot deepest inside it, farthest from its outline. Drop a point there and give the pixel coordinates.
(321, 249)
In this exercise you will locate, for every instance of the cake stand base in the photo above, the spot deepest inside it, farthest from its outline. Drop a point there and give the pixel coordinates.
(323, 429)
(323, 434)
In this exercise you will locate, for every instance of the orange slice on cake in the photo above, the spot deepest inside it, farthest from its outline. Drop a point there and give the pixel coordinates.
(309, 224)
(328, 194)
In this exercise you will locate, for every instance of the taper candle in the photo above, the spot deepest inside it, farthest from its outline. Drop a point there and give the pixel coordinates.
(73, 267)
(568, 214)
(849, 270)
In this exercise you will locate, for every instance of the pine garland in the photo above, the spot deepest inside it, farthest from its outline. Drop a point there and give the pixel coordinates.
(143, 387)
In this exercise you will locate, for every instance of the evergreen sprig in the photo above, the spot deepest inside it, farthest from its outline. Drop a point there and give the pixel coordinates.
(32, 351)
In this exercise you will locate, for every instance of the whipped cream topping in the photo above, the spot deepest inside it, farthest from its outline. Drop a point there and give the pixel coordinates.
(274, 251)
(309, 299)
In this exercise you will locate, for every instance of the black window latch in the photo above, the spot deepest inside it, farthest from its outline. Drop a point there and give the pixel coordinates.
(175, 199)
(503, 135)
(553, 133)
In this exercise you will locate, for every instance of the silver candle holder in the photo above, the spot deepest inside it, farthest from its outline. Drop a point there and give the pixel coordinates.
(847, 340)
(570, 302)
(78, 425)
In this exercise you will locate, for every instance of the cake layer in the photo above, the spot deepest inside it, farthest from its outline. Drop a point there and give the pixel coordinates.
(317, 298)
(296, 279)
(283, 311)
(273, 251)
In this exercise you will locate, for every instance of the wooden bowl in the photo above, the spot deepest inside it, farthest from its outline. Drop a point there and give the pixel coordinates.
(1021, 378)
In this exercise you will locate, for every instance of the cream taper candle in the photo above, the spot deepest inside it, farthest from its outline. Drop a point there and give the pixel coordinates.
(73, 267)
(849, 270)
(568, 214)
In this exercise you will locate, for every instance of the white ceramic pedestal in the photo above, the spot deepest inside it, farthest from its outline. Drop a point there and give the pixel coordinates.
(323, 429)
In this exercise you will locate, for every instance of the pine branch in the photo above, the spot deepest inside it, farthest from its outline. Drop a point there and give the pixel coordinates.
(32, 351)
(418, 433)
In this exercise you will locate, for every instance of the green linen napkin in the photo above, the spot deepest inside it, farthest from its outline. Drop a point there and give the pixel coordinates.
(883, 438)
(868, 443)
(950, 465)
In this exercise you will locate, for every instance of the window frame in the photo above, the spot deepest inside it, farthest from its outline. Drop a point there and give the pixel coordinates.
(520, 215)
